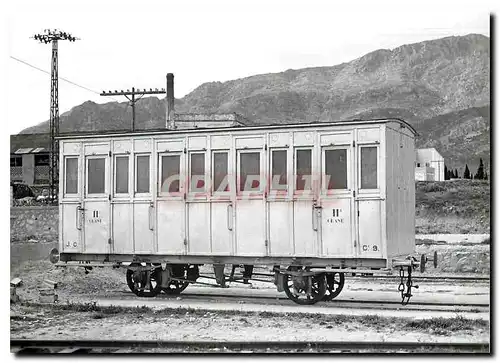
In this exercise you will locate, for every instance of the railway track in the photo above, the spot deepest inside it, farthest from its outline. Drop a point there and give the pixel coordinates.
(472, 279)
(376, 304)
(348, 276)
(26, 346)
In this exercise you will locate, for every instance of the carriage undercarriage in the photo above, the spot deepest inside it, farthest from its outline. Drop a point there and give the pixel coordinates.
(305, 281)
(300, 284)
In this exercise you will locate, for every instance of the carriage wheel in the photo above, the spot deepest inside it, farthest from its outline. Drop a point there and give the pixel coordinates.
(138, 284)
(296, 287)
(176, 287)
(334, 285)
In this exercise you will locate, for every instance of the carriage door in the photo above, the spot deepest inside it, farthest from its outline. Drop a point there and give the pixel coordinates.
(96, 199)
(369, 202)
(71, 202)
(222, 207)
(197, 203)
(249, 206)
(170, 216)
(337, 201)
(121, 202)
(280, 209)
(305, 211)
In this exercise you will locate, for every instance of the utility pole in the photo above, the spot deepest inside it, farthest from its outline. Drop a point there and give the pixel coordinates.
(132, 99)
(53, 36)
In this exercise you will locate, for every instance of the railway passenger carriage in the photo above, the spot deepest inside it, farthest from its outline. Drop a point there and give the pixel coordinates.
(312, 201)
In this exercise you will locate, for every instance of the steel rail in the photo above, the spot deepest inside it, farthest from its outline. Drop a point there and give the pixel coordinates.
(255, 297)
(395, 277)
(373, 277)
(30, 346)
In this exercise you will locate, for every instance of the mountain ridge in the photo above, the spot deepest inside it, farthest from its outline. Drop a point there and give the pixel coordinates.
(417, 82)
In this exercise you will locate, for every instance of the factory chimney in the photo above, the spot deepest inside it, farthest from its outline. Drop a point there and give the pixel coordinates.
(170, 101)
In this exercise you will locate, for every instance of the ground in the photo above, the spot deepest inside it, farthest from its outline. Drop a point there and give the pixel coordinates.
(77, 316)
(93, 322)
(442, 207)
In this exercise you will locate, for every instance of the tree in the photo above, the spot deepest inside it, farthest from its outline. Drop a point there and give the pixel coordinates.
(485, 176)
(480, 170)
(456, 174)
(446, 175)
(467, 172)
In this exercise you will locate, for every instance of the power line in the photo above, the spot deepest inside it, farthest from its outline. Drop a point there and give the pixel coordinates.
(64, 79)
(133, 100)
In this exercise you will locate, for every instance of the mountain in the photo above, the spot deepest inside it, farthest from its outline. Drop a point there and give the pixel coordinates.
(426, 83)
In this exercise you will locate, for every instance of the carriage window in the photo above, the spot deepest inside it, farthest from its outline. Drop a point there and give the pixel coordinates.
(303, 168)
(336, 169)
(369, 167)
(121, 174)
(142, 174)
(170, 173)
(249, 171)
(197, 173)
(220, 182)
(278, 170)
(71, 175)
(96, 175)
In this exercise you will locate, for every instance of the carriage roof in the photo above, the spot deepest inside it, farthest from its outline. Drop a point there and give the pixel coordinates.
(165, 131)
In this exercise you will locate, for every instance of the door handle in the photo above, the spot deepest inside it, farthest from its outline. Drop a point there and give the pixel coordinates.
(230, 217)
(315, 217)
(150, 216)
(79, 213)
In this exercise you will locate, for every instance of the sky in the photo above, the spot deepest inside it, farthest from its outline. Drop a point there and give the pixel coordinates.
(125, 44)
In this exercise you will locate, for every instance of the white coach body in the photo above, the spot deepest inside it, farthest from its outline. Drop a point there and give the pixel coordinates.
(338, 194)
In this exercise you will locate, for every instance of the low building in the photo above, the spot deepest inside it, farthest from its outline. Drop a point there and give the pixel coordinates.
(429, 165)
(29, 159)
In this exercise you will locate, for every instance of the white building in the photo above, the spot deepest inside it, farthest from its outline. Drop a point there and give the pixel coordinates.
(429, 165)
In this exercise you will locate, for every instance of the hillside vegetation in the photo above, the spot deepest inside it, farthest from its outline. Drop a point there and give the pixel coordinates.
(461, 206)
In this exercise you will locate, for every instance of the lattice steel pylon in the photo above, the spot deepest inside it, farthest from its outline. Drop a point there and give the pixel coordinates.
(53, 36)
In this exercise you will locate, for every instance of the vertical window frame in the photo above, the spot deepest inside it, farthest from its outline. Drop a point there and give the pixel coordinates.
(261, 189)
(159, 181)
(205, 173)
(65, 166)
(324, 184)
(115, 192)
(360, 186)
(289, 182)
(106, 168)
(294, 175)
(231, 187)
(136, 164)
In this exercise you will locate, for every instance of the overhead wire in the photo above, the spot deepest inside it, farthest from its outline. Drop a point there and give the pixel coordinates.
(61, 78)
